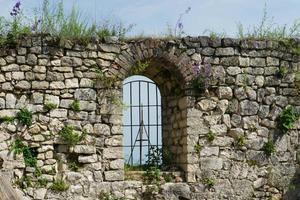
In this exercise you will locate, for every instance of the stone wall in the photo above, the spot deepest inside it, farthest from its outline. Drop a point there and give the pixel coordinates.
(243, 101)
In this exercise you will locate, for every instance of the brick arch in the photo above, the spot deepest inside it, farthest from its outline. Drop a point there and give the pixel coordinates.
(163, 55)
(171, 69)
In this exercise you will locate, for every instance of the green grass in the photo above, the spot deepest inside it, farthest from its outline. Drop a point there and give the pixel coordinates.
(50, 106)
(69, 136)
(268, 29)
(24, 116)
(75, 106)
(59, 185)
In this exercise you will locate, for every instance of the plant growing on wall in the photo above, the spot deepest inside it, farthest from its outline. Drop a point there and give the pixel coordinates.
(24, 116)
(75, 106)
(69, 136)
(210, 136)
(139, 68)
(202, 74)
(29, 154)
(59, 185)
(287, 118)
(269, 148)
(50, 106)
(282, 71)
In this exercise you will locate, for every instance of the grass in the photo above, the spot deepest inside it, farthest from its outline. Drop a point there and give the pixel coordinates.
(69, 136)
(268, 29)
(52, 19)
(75, 106)
(24, 116)
(59, 185)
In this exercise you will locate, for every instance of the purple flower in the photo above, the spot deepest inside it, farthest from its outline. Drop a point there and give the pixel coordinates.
(180, 25)
(34, 27)
(16, 9)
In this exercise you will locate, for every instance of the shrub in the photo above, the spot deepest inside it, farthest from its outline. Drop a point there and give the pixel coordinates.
(59, 185)
(75, 106)
(287, 118)
(269, 148)
(67, 134)
(24, 116)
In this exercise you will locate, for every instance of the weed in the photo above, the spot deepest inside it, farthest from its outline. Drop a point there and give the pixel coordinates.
(269, 148)
(7, 119)
(17, 147)
(167, 177)
(24, 116)
(210, 136)
(240, 141)
(287, 118)
(42, 182)
(59, 185)
(139, 68)
(201, 80)
(252, 162)
(106, 196)
(252, 127)
(267, 29)
(152, 175)
(69, 136)
(29, 154)
(198, 148)
(75, 106)
(297, 78)
(50, 106)
(281, 72)
(209, 182)
(24, 182)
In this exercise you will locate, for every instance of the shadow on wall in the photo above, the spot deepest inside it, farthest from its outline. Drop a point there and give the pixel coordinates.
(293, 192)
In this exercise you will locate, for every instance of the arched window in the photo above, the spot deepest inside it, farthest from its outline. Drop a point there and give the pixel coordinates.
(142, 121)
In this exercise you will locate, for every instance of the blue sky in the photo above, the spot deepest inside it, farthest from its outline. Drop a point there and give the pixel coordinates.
(152, 16)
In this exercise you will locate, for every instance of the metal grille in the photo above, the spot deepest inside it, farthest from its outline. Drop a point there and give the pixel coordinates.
(142, 118)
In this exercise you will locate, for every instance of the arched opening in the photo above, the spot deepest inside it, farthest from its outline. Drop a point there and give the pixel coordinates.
(156, 106)
(142, 122)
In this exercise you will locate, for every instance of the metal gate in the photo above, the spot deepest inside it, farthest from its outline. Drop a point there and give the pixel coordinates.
(141, 119)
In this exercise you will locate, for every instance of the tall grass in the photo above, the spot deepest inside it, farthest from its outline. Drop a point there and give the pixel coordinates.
(268, 29)
(53, 20)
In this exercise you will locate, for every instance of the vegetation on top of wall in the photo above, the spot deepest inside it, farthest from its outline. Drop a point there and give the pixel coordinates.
(287, 118)
(268, 29)
(54, 21)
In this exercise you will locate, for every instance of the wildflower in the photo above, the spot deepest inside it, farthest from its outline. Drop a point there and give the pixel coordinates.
(16, 9)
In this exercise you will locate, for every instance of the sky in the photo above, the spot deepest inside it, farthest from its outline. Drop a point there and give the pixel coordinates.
(152, 17)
